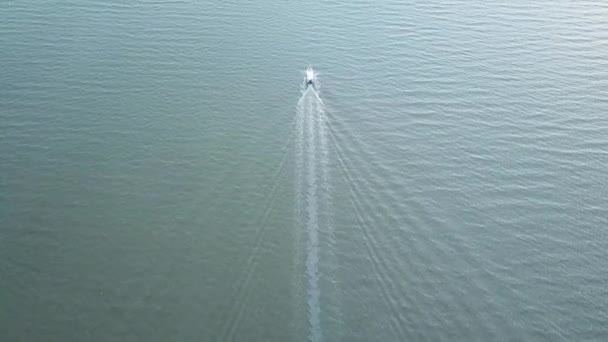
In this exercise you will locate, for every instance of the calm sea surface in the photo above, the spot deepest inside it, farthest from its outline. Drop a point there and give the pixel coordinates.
(164, 175)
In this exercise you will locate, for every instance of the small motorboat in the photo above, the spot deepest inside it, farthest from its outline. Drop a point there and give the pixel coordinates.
(310, 77)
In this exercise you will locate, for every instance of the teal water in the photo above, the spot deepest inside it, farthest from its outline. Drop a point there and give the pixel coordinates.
(164, 176)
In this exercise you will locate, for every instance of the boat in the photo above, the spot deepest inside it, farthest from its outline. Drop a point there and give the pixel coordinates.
(310, 77)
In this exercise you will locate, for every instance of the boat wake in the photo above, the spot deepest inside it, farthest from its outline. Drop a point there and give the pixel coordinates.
(312, 195)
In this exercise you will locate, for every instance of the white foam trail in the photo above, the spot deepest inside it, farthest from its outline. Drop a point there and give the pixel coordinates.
(307, 202)
(312, 260)
(299, 173)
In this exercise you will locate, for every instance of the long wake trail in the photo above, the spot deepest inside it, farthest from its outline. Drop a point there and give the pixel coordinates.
(311, 181)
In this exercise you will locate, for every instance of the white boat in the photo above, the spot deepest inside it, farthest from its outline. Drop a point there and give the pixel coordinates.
(310, 77)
